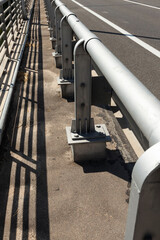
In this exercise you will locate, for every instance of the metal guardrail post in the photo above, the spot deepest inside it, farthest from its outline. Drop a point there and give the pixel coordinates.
(83, 135)
(58, 49)
(144, 210)
(83, 88)
(48, 13)
(51, 19)
(53, 36)
(46, 10)
(66, 73)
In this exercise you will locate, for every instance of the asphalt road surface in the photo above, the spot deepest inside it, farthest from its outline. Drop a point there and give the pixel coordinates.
(130, 30)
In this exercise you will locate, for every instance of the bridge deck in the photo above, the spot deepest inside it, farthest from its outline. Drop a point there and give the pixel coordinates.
(44, 194)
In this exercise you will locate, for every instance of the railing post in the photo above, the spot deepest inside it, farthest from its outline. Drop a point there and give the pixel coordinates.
(58, 48)
(53, 37)
(46, 10)
(49, 15)
(83, 88)
(50, 9)
(51, 18)
(66, 73)
(87, 141)
(144, 203)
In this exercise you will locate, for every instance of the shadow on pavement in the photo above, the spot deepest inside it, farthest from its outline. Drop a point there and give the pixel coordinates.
(128, 35)
(23, 185)
(113, 164)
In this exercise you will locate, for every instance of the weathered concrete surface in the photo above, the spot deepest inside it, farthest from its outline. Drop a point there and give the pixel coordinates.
(43, 193)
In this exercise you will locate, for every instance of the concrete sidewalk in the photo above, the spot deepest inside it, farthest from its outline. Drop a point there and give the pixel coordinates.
(44, 194)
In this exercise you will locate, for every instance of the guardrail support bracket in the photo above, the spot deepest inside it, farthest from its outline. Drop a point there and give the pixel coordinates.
(88, 142)
(53, 41)
(66, 73)
(52, 29)
(58, 50)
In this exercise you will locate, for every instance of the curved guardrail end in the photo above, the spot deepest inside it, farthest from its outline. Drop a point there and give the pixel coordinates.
(144, 210)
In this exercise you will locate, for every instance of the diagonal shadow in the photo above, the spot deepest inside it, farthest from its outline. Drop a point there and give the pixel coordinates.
(129, 35)
(23, 150)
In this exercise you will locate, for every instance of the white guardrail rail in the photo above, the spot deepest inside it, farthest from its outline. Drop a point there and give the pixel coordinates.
(71, 38)
(15, 18)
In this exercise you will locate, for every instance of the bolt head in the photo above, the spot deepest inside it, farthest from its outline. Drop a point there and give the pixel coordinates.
(76, 135)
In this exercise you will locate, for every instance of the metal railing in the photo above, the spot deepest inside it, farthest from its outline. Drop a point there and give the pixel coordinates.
(15, 18)
(140, 106)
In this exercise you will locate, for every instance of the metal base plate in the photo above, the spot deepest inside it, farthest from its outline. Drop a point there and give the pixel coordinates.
(58, 59)
(55, 54)
(100, 134)
(89, 146)
(62, 81)
(52, 39)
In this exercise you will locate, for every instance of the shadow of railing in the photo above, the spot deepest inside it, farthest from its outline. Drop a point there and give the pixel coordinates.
(123, 35)
(23, 185)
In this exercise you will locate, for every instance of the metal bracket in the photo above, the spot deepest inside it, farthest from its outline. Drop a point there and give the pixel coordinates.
(82, 88)
(66, 43)
(58, 17)
(66, 73)
(99, 131)
(88, 142)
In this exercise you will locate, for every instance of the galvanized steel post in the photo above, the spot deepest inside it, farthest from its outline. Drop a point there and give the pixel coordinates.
(50, 18)
(66, 73)
(58, 50)
(83, 86)
(88, 142)
(53, 33)
(47, 10)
